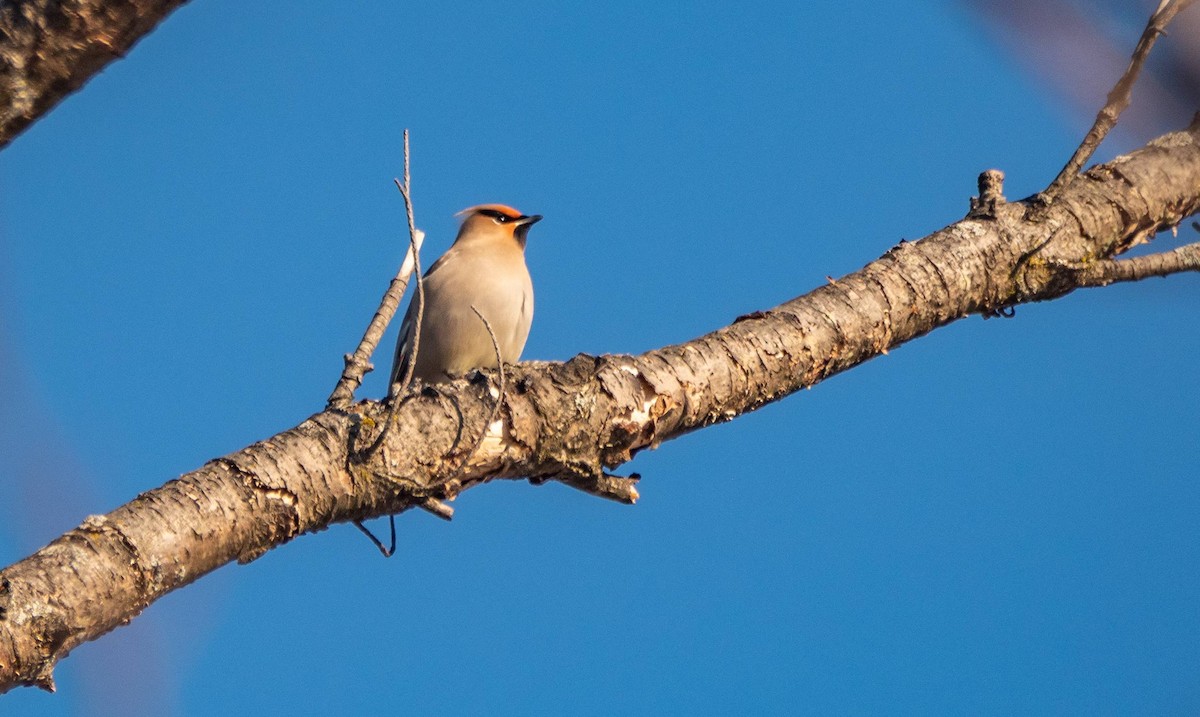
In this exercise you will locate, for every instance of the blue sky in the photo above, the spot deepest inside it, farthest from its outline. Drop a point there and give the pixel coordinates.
(998, 518)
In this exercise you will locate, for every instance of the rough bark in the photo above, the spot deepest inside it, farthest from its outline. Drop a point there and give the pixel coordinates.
(50, 48)
(574, 420)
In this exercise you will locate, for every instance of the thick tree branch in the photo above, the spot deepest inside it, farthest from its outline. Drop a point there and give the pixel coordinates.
(575, 420)
(50, 48)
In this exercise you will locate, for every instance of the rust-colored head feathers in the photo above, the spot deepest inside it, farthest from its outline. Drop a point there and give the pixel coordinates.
(503, 209)
(491, 222)
(478, 300)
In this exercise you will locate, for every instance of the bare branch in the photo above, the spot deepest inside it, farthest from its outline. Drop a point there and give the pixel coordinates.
(1118, 98)
(1112, 271)
(584, 417)
(592, 482)
(388, 551)
(359, 362)
(406, 191)
(391, 301)
(571, 422)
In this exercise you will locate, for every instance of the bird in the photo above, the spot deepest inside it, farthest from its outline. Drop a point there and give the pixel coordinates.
(483, 270)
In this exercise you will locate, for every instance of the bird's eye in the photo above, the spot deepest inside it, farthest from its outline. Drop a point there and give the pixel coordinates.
(503, 218)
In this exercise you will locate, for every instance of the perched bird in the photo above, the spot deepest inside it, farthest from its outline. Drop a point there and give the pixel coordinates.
(485, 269)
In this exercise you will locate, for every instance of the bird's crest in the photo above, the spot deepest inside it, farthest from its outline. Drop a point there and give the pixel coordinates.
(502, 208)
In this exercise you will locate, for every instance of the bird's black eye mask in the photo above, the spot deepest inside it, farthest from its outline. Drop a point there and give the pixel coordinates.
(497, 215)
(501, 216)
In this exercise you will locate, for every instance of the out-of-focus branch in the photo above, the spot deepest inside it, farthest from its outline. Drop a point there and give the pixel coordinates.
(1118, 98)
(50, 48)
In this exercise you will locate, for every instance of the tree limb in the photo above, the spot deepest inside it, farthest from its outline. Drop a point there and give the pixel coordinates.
(573, 421)
(1111, 271)
(50, 48)
(1119, 97)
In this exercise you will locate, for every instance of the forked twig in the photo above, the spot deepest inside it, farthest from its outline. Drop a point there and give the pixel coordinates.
(431, 504)
(395, 388)
(406, 193)
(415, 237)
(388, 551)
(495, 406)
(1118, 99)
(358, 363)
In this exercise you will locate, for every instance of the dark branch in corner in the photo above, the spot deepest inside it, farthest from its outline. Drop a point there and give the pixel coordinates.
(49, 49)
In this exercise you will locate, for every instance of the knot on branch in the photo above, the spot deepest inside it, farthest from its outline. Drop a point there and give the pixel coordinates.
(356, 366)
(991, 195)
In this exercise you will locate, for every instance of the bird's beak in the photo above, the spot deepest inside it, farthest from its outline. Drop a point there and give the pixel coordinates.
(521, 227)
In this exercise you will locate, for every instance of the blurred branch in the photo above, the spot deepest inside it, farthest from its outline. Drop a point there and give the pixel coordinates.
(1077, 49)
(571, 421)
(1118, 98)
(50, 48)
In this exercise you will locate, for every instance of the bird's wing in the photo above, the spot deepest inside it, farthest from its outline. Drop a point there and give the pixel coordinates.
(408, 327)
(403, 346)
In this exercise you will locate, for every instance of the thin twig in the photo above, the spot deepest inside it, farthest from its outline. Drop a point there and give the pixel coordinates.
(1118, 99)
(395, 388)
(415, 237)
(388, 551)
(431, 504)
(358, 363)
(1112, 271)
(495, 406)
(503, 378)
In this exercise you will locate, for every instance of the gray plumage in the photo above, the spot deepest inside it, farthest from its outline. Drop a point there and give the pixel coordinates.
(485, 268)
